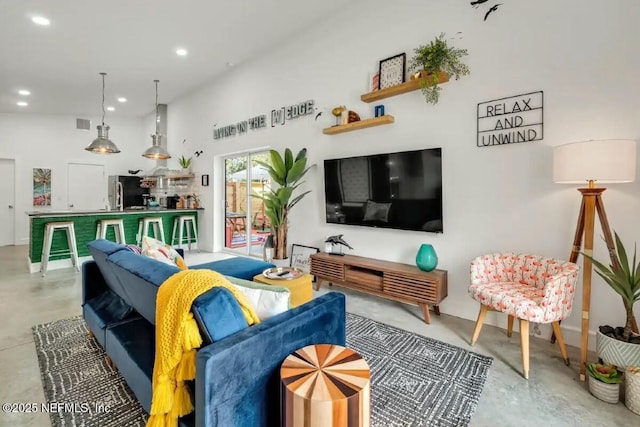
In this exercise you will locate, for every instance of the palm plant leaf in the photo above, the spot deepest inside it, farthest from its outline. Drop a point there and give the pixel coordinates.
(288, 159)
(278, 165)
(301, 154)
(298, 198)
(297, 171)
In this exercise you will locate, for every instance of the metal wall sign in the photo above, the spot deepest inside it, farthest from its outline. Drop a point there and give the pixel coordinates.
(510, 120)
(278, 116)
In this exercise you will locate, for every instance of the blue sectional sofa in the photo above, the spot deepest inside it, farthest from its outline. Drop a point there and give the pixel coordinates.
(237, 368)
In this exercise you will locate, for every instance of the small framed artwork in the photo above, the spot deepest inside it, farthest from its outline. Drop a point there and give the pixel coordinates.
(301, 257)
(378, 111)
(205, 180)
(392, 71)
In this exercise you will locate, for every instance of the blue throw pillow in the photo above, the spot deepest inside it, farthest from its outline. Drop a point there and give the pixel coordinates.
(218, 315)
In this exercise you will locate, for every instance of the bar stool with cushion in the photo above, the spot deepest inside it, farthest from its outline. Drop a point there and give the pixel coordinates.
(49, 229)
(181, 224)
(143, 228)
(118, 229)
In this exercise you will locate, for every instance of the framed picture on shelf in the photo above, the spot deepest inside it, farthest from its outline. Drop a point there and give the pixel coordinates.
(205, 180)
(392, 71)
(301, 257)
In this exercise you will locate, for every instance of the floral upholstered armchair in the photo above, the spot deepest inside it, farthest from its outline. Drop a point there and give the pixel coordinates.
(528, 287)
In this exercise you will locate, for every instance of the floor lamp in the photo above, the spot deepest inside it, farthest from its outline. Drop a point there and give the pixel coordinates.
(602, 162)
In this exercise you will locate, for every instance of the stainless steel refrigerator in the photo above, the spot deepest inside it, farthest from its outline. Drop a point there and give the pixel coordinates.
(125, 192)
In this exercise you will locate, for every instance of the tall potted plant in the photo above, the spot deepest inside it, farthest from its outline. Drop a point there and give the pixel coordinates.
(621, 349)
(433, 58)
(287, 173)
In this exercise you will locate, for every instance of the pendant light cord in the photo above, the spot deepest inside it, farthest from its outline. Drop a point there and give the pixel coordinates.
(103, 74)
(157, 116)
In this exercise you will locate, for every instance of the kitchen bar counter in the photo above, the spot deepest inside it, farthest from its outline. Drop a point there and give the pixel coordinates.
(85, 224)
(104, 211)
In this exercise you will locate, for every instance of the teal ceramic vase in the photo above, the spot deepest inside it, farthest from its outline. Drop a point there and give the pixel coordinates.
(426, 258)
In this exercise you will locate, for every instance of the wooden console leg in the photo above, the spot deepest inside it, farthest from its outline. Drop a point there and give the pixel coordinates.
(425, 312)
(436, 310)
(318, 283)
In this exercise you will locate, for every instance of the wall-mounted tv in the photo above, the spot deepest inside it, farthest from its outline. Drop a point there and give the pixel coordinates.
(395, 190)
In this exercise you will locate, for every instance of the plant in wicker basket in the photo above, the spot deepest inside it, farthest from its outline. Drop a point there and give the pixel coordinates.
(604, 373)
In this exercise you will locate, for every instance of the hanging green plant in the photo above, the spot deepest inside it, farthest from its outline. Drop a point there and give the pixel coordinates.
(435, 57)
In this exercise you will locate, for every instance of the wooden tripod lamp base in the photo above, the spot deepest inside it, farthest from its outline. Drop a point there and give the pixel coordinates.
(606, 161)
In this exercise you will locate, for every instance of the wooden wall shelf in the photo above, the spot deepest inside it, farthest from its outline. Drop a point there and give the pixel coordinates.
(361, 124)
(405, 87)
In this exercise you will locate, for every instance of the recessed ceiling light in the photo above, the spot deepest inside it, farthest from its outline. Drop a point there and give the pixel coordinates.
(181, 52)
(122, 99)
(24, 92)
(111, 108)
(22, 104)
(40, 20)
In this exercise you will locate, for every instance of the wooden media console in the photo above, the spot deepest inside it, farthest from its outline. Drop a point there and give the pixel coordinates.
(391, 280)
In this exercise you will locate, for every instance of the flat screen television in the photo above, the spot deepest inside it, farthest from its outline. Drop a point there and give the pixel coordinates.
(395, 190)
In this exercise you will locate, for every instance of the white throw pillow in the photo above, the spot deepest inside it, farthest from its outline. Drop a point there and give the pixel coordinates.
(267, 302)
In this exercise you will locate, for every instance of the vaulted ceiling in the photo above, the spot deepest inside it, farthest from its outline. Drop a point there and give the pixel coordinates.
(134, 42)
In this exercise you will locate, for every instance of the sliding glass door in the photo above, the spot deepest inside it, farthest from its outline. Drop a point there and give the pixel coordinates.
(246, 225)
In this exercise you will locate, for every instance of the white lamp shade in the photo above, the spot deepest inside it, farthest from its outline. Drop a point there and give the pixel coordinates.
(608, 161)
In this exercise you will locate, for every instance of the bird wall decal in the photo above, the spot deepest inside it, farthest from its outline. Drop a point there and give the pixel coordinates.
(478, 2)
(490, 11)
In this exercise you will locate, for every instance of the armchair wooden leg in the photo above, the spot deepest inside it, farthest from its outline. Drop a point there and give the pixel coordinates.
(524, 343)
(510, 326)
(563, 350)
(93, 337)
(479, 322)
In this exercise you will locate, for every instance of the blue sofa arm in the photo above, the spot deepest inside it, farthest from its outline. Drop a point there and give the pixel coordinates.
(93, 283)
(238, 378)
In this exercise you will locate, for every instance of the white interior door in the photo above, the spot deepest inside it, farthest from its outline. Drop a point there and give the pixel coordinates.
(87, 186)
(7, 201)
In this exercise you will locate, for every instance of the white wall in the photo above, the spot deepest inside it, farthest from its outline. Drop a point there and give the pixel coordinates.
(52, 141)
(581, 54)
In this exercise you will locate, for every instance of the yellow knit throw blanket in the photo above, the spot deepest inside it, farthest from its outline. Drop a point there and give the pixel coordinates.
(177, 337)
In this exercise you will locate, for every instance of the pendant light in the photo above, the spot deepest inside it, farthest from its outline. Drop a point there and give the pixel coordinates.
(102, 144)
(156, 151)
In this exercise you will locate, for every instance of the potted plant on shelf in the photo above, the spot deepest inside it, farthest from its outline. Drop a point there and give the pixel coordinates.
(195, 204)
(620, 346)
(604, 382)
(287, 173)
(185, 163)
(433, 58)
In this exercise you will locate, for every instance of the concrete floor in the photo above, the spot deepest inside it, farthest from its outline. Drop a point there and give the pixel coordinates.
(553, 396)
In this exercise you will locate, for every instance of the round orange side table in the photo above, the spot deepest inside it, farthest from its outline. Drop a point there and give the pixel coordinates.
(325, 385)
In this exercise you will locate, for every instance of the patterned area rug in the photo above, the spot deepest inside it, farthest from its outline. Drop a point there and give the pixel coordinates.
(416, 381)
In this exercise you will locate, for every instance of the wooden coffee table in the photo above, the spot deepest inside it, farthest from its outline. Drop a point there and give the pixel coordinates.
(300, 287)
(325, 385)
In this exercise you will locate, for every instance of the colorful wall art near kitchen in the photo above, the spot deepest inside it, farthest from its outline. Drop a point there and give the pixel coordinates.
(41, 187)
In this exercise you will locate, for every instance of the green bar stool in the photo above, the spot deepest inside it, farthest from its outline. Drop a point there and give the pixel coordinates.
(49, 229)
